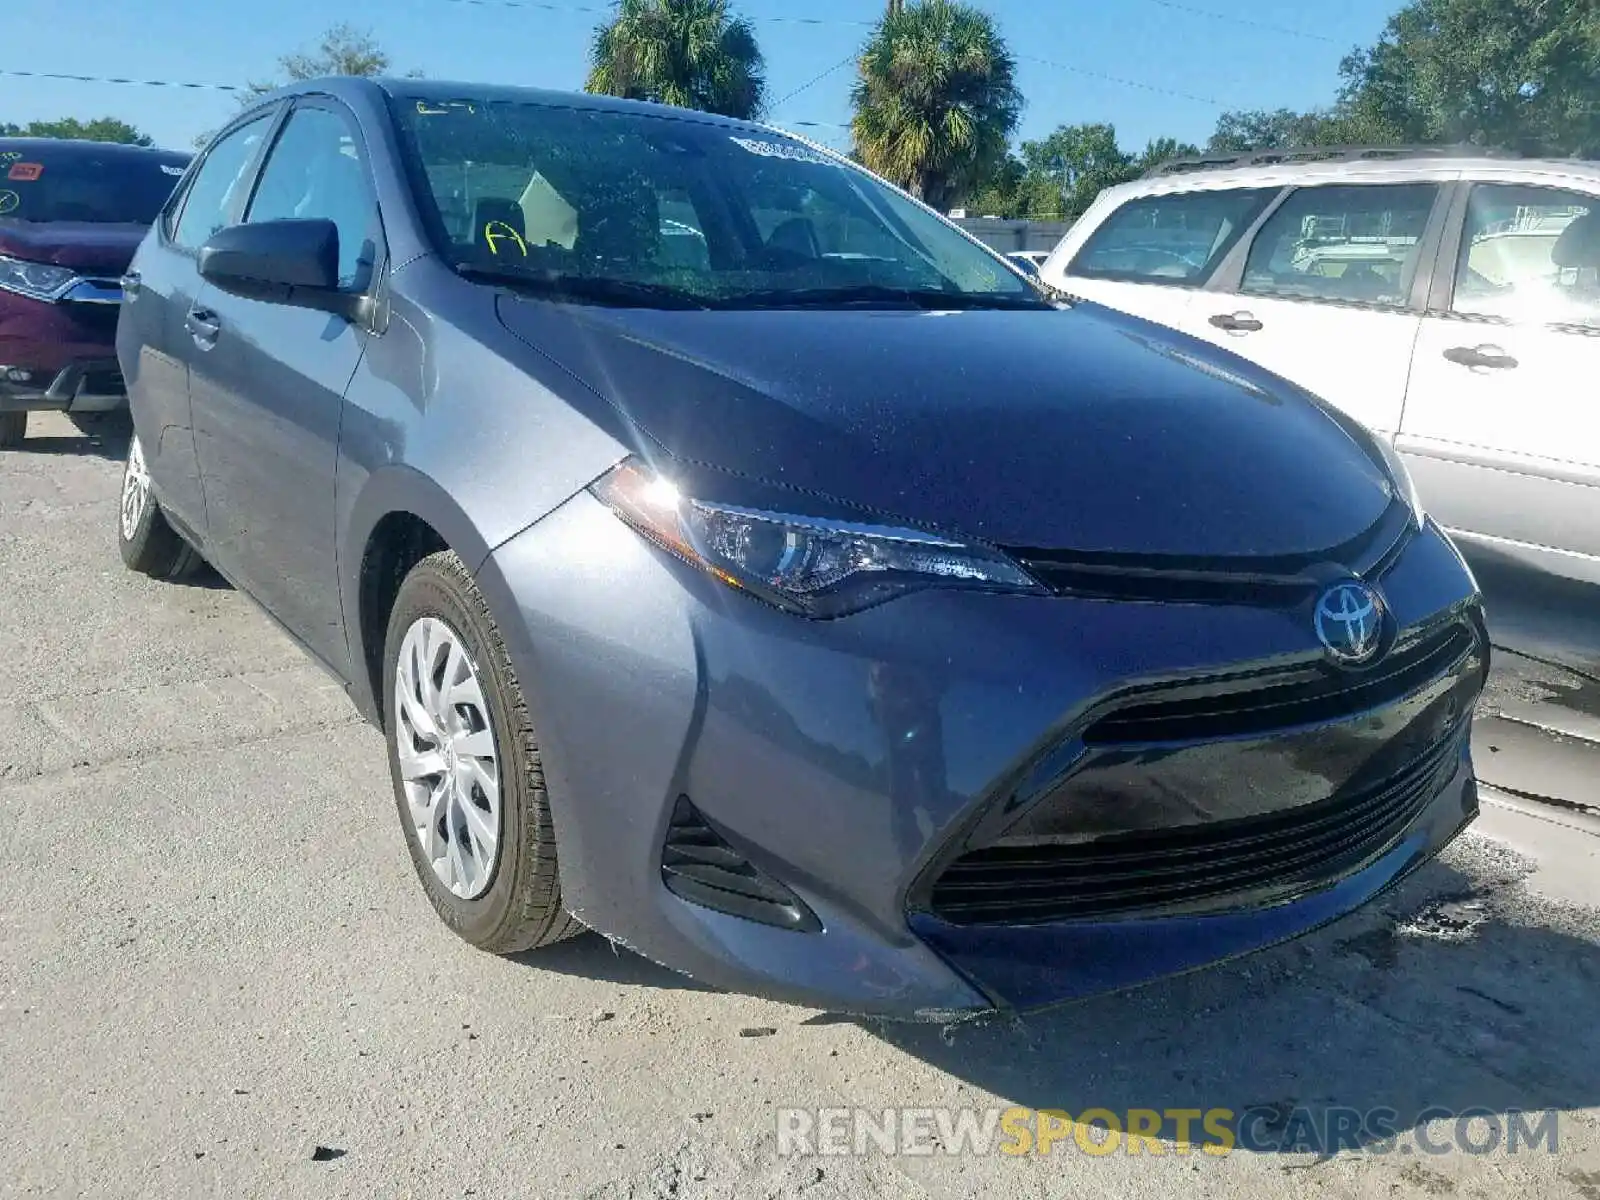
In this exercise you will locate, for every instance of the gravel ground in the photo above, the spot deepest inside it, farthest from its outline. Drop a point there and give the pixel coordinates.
(218, 976)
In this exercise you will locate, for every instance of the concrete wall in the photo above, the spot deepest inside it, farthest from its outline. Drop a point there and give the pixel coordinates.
(1006, 236)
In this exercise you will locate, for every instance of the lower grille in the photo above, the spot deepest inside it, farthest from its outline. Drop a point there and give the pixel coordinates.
(698, 865)
(100, 319)
(102, 383)
(1190, 867)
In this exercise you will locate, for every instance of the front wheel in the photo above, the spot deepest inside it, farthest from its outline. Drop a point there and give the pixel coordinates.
(149, 543)
(13, 428)
(468, 783)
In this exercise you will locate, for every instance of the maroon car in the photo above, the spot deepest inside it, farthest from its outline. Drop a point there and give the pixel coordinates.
(71, 215)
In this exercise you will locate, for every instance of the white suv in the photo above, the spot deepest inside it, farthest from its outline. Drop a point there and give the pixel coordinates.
(1451, 304)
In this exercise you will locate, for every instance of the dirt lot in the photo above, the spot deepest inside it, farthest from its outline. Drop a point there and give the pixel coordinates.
(219, 978)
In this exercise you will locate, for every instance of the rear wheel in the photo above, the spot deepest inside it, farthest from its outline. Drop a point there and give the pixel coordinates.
(149, 544)
(13, 428)
(469, 786)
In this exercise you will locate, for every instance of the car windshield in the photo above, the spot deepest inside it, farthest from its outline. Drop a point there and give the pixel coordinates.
(77, 183)
(632, 208)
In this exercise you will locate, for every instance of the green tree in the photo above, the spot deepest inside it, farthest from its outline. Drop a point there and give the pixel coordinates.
(1001, 193)
(691, 53)
(1519, 74)
(101, 129)
(937, 101)
(1059, 177)
(344, 50)
(1283, 128)
(1068, 169)
(1160, 150)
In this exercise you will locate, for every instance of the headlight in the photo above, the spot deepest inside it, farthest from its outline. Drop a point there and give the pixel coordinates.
(807, 565)
(39, 280)
(1401, 474)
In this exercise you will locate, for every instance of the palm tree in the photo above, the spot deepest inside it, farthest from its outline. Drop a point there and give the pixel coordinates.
(691, 53)
(937, 100)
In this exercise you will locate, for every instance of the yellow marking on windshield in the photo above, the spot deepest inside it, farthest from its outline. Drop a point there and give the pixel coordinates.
(496, 232)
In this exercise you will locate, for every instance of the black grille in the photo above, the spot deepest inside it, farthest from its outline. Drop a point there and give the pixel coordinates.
(1272, 581)
(100, 319)
(103, 383)
(1189, 867)
(1257, 704)
(698, 864)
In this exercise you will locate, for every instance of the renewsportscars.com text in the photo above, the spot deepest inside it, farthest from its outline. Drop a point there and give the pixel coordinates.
(1099, 1132)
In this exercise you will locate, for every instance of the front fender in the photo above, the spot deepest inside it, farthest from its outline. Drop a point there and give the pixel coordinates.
(397, 488)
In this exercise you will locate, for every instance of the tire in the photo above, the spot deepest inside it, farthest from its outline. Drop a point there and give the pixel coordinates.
(149, 544)
(509, 900)
(13, 428)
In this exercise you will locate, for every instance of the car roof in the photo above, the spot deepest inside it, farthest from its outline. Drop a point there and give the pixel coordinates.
(1397, 170)
(79, 147)
(439, 90)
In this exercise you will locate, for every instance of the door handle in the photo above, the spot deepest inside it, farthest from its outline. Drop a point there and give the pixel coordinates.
(131, 283)
(203, 326)
(1480, 356)
(1238, 322)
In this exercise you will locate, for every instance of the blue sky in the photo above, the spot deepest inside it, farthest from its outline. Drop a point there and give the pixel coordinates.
(1192, 65)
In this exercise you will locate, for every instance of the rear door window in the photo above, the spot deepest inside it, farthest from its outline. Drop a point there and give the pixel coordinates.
(1356, 244)
(1177, 239)
(1530, 254)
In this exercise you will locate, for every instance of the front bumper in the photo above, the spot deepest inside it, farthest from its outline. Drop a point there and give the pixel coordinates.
(847, 761)
(59, 356)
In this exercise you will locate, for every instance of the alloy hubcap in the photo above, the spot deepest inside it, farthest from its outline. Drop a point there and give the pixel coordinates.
(448, 763)
(135, 490)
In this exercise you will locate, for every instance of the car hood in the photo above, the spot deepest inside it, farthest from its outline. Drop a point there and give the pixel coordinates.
(1077, 429)
(80, 245)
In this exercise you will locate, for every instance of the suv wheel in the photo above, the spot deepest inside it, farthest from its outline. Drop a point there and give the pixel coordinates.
(148, 543)
(468, 783)
(13, 428)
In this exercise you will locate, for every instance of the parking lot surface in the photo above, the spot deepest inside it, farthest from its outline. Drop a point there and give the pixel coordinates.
(218, 976)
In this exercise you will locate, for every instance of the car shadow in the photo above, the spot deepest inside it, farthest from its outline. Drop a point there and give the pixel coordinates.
(1455, 993)
(1441, 996)
(205, 578)
(108, 440)
(591, 956)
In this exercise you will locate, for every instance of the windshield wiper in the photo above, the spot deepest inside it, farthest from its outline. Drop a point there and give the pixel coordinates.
(584, 289)
(880, 296)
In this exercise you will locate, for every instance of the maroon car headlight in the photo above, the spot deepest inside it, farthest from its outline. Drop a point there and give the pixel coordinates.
(40, 281)
(807, 565)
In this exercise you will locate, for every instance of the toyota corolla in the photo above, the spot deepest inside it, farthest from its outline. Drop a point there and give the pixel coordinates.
(743, 562)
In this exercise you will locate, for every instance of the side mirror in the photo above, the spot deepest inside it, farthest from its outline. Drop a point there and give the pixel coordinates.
(293, 262)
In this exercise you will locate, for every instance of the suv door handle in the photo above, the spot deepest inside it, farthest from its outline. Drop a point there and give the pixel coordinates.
(203, 326)
(1238, 322)
(1480, 356)
(131, 282)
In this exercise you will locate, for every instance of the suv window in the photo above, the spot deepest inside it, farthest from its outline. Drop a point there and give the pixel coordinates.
(77, 181)
(315, 170)
(1177, 239)
(214, 194)
(1355, 243)
(1530, 254)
